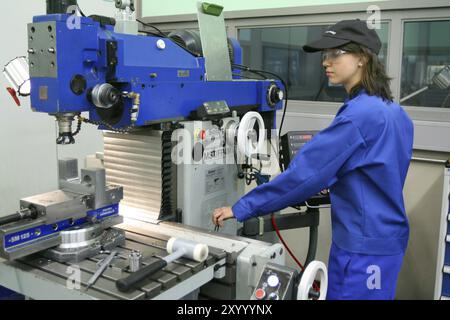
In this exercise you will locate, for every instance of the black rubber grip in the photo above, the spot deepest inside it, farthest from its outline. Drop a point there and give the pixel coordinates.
(125, 284)
(9, 219)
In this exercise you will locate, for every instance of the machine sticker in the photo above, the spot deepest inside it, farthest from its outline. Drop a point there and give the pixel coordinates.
(43, 93)
(214, 180)
(184, 73)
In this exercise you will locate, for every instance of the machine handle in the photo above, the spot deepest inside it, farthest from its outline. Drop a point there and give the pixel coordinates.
(11, 218)
(127, 283)
(13, 94)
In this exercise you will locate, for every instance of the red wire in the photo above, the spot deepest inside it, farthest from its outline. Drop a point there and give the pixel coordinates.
(274, 224)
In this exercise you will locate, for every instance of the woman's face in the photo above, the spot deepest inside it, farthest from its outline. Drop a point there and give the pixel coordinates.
(342, 67)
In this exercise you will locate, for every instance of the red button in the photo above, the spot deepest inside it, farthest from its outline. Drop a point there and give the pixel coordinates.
(202, 134)
(260, 294)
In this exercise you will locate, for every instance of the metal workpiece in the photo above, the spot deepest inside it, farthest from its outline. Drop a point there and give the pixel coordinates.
(83, 243)
(68, 169)
(135, 259)
(57, 205)
(92, 184)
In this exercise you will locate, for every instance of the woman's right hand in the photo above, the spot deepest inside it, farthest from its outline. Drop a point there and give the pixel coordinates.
(222, 214)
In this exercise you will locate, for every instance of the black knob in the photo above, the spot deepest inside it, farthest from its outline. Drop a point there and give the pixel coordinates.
(274, 95)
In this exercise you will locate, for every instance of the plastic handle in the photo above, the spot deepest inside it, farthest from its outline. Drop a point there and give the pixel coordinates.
(9, 219)
(212, 9)
(127, 283)
(13, 94)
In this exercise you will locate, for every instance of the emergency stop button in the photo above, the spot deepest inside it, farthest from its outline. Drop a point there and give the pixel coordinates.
(260, 294)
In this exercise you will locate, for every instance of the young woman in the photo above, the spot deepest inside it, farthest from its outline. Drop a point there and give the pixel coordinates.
(363, 158)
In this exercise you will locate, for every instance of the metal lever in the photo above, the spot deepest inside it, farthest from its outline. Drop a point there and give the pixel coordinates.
(19, 215)
(102, 267)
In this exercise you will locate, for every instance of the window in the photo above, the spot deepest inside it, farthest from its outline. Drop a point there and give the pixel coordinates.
(279, 50)
(426, 50)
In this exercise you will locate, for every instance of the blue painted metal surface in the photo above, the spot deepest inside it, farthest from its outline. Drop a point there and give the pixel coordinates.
(25, 237)
(176, 88)
(6, 294)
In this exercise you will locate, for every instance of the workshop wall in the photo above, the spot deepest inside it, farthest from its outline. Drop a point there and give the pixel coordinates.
(28, 152)
(174, 7)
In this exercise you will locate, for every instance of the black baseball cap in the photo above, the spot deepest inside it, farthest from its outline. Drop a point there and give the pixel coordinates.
(344, 32)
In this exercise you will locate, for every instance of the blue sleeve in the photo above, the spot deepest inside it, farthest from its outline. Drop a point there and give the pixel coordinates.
(313, 169)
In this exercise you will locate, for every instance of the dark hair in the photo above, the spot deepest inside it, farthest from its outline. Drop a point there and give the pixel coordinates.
(374, 79)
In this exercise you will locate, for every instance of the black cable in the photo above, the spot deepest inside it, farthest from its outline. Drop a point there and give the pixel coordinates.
(162, 35)
(81, 11)
(261, 73)
(151, 33)
(77, 131)
(153, 27)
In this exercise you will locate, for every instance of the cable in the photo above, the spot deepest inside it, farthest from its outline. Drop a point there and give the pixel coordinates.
(261, 74)
(107, 125)
(274, 224)
(77, 131)
(153, 27)
(81, 11)
(150, 33)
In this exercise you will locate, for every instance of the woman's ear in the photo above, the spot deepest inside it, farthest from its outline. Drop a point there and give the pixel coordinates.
(362, 61)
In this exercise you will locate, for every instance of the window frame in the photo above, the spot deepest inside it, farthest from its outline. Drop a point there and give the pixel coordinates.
(305, 105)
(432, 124)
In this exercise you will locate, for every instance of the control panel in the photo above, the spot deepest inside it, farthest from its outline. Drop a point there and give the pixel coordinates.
(291, 143)
(211, 110)
(276, 283)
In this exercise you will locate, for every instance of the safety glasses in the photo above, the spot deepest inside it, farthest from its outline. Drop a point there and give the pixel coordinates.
(332, 54)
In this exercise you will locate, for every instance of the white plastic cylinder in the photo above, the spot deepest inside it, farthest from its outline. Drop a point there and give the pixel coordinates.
(18, 75)
(192, 250)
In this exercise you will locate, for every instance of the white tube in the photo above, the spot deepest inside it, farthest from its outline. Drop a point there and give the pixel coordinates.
(192, 250)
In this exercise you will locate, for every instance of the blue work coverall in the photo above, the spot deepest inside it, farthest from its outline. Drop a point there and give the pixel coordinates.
(363, 158)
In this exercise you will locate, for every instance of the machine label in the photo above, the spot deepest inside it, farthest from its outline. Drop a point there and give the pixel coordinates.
(43, 93)
(184, 73)
(36, 233)
(215, 180)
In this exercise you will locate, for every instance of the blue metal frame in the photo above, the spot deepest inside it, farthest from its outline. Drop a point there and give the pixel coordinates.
(178, 89)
